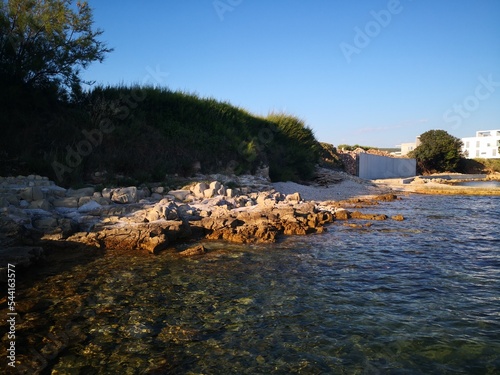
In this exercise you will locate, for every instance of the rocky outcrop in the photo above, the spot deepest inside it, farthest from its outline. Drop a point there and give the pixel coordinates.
(35, 210)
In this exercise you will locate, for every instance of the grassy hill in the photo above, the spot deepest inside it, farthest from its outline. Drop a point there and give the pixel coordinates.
(144, 134)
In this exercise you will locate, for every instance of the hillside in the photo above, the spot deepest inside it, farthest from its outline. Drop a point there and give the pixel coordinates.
(145, 134)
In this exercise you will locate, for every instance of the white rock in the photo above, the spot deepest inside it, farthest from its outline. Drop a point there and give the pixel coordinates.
(209, 193)
(199, 189)
(179, 194)
(106, 193)
(216, 185)
(124, 195)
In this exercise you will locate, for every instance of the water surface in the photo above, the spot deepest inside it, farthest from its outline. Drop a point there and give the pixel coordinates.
(420, 296)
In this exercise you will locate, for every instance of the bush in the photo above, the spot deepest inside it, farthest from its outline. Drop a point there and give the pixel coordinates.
(438, 152)
(150, 133)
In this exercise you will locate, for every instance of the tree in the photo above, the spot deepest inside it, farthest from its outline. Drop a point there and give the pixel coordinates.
(47, 42)
(438, 152)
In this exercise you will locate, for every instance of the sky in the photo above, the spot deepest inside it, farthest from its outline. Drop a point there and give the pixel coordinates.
(375, 73)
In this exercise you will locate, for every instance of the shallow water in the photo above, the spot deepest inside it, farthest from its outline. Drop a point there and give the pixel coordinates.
(420, 296)
(480, 184)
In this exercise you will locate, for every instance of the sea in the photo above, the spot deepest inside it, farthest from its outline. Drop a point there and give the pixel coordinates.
(419, 296)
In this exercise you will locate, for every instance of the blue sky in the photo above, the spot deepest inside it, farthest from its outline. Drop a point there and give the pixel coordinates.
(369, 72)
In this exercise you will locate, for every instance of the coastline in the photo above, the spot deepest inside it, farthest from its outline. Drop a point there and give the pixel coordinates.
(442, 184)
(41, 221)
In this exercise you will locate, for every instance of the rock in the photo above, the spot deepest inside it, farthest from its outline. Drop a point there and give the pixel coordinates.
(192, 251)
(216, 185)
(141, 236)
(156, 196)
(84, 200)
(179, 194)
(342, 214)
(68, 202)
(45, 224)
(362, 216)
(89, 207)
(199, 189)
(158, 190)
(293, 197)
(398, 217)
(230, 193)
(79, 193)
(30, 194)
(41, 204)
(143, 192)
(209, 193)
(124, 195)
(106, 193)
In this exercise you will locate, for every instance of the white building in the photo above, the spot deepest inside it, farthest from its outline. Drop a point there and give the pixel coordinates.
(408, 147)
(485, 145)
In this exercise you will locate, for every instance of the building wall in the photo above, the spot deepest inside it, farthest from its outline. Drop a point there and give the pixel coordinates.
(486, 145)
(374, 166)
(407, 148)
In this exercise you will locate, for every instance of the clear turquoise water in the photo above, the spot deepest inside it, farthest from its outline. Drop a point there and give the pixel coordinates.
(420, 296)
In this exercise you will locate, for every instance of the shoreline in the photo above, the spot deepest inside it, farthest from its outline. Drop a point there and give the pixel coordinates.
(40, 219)
(442, 184)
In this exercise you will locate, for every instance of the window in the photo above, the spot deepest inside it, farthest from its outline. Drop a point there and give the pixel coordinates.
(494, 152)
(477, 153)
(467, 144)
(477, 143)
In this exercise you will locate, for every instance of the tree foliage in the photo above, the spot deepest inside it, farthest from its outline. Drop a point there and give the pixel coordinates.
(438, 152)
(47, 42)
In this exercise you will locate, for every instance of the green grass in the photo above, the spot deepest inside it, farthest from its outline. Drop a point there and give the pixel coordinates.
(150, 132)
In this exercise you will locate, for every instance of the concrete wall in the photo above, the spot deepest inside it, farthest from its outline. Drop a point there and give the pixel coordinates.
(374, 166)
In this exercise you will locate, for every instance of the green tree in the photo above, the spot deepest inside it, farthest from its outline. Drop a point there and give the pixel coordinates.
(47, 43)
(438, 152)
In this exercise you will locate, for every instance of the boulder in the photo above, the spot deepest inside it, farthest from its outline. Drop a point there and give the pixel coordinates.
(209, 193)
(180, 195)
(134, 236)
(124, 195)
(230, 193)
(216, 185)
(294, 197)
(342, 214)
(199, 189)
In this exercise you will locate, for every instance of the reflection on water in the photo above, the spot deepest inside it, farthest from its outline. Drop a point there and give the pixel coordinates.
(414, 297)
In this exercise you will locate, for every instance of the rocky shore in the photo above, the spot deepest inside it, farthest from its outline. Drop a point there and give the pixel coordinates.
(445, 184)
(36, 215)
